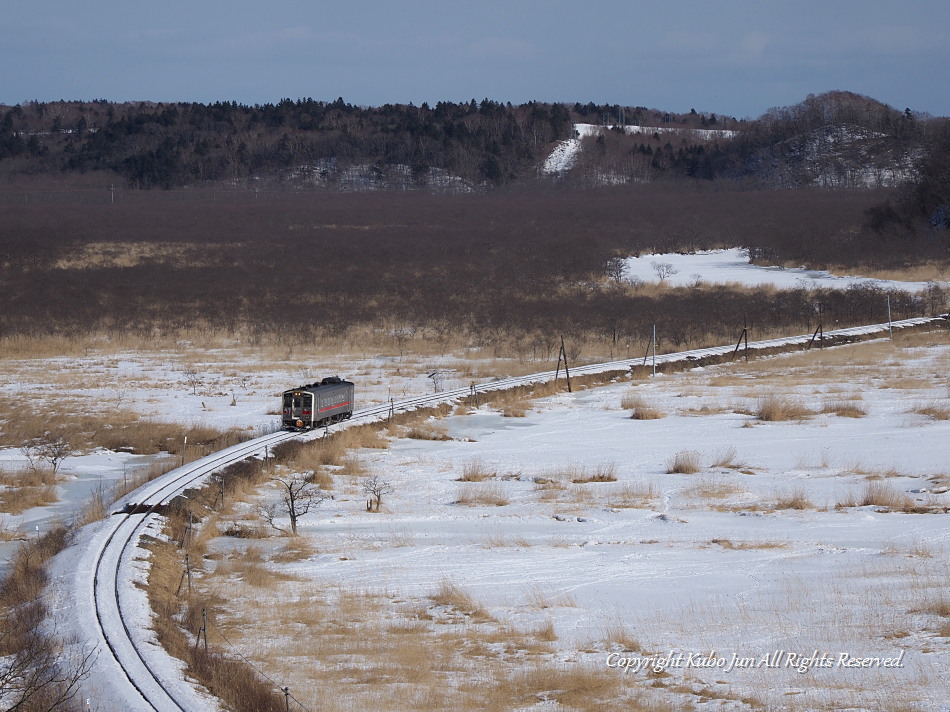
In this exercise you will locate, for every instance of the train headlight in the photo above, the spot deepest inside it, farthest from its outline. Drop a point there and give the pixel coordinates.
(299, 423)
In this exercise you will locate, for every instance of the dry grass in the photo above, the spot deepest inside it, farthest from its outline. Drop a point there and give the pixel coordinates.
(24, 489)
(881, 494)
(118, 429)
(933, 409)
(606, 472)
(781, 408)
(482, 495)
(476, 471)
(686, 462)
(506, 541)
(850, 408)
(709, 489)
(639, 408)
(295, 549)
(616, 635)
(726, 458)
(747, 545)
(428, 431)
(632, 495)
(518, 409)
(796, 498)
(546, 632)
(542, 599)
(452, 596)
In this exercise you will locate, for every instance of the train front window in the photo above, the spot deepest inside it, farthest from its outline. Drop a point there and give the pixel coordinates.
(293, 402)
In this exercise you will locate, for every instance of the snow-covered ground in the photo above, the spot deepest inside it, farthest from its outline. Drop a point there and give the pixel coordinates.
(223, 389)
(732, 266)
(797, 546)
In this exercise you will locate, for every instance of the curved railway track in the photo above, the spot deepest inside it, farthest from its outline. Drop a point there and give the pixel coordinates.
(147, 683)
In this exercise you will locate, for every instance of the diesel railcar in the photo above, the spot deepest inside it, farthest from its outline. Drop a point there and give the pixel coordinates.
(316, 404)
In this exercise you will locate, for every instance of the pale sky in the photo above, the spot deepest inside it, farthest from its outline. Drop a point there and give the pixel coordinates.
(732, 57)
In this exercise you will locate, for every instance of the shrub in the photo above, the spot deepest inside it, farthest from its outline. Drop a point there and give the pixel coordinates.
(639, 408)
(844, 408)
(796, 499)
(686, 462)
(779, 408)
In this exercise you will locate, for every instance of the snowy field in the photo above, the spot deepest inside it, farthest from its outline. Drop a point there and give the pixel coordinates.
(780, 568)
(732, 266)
(194, 387)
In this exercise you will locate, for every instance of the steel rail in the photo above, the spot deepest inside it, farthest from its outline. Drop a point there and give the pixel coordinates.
(114, 557)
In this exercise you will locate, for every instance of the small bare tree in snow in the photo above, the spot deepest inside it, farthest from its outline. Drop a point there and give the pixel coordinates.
(52, 448)
(663, 270)
(298, 496)
(193, 379)
(375, 488)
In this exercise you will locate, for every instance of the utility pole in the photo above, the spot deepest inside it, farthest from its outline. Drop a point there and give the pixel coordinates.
(654, 350)
(563, 354)
(651, 345)
(890, 328)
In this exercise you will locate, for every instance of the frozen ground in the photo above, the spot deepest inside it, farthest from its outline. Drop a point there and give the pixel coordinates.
(824, 533)
(732, 265)
(221, 388)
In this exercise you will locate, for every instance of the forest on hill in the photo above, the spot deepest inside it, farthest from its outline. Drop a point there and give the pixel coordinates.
(454, 146)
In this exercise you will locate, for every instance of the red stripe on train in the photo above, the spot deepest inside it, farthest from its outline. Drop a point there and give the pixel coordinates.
(331, 407)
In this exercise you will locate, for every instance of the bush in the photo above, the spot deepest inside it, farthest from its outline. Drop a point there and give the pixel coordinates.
(685, 462)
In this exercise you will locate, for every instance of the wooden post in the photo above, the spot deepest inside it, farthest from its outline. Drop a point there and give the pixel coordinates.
(890, 327)
(567, 374)
(819, 332)
(654, 350)
(743, 336)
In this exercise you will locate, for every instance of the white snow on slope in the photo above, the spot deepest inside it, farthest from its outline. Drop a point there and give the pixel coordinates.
(565, 153)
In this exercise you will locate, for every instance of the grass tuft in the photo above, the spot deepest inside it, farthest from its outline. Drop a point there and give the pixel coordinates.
(686, 462)
(781, 408)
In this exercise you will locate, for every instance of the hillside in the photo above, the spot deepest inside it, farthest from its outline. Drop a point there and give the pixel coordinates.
(837, 139)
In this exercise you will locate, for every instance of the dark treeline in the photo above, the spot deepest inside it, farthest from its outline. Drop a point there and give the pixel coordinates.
(509, 269)
(176, 144)
(484, 143)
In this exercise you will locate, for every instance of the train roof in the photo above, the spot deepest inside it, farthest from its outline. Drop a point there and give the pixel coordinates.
(329, 381)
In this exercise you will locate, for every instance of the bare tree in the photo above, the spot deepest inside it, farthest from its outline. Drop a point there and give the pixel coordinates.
(298, 496)
(52, 448)
(615, 268)
(36, 673)
(375, 488)
(663, 270)
(193, 378)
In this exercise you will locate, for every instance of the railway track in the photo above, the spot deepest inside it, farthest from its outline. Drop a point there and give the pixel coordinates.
(151, 685)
